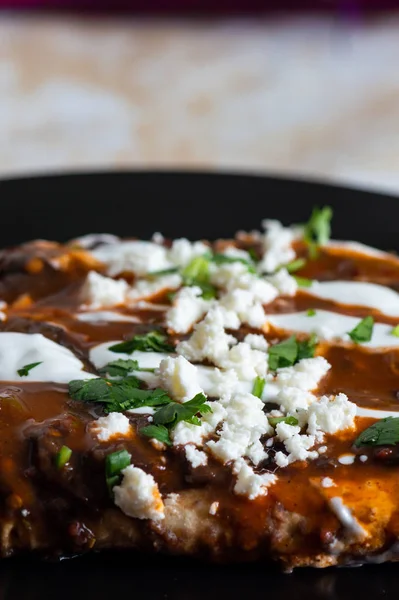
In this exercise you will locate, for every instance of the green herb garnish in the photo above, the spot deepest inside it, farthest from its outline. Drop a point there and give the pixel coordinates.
(363, 331)
(290, 351)
(295, 265)
(116, 396)
(307, 348)
(221, 259)
(62, 457)
(289, 420)
(25, 370)
(159, 432)
(311, 312)
(114, 464)
(197, 273)
(258, 387)
(174, 412)
(154, 274)
(303, 281)
(121, 368)
(318, 229)
(381, 433)
(154, 341)
(395, 331)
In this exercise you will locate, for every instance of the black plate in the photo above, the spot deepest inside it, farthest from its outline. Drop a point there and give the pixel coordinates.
(192, 205)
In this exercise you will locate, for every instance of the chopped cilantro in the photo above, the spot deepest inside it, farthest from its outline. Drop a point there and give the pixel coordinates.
(318, 229)
(114, 464)
(363, 330)
(289, 351)
(153, 341)
(311, 312)
(159, 432)
(395, 331)
(253, 254)
(382, 433)
(197, 273)
(121, 368)
(62, 457)
(306, 349)
(295, 265)
(289, 420)
(258, 387)
(116, 396)
(174, 412)
(25, 370)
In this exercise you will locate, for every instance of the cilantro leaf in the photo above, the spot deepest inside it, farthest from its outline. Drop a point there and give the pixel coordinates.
(197, 273)
(116, 396)
(283, 354)
(306, 349)
(363, 330)
(154, 341)
(114, 464)
(258, 387)
(220, 259)
(395, 331)
(25, 370)
(382, 433)
(174, 412)
(121, 368)
(289, 420)
(295, 265)
(159, 432)
(318, 229)
(290, 351)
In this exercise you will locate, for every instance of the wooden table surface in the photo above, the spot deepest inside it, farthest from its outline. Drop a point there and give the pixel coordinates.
(311, 96)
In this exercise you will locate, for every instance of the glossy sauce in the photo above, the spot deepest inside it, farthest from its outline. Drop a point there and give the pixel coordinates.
(37, 419)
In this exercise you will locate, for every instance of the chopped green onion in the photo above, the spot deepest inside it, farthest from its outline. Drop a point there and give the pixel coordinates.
(114, 464)
(303, 281)
(258, 387)
(395, 331)
(289, 420)
(62, 457)
(311, 312)
(295, 265)
(25, 370)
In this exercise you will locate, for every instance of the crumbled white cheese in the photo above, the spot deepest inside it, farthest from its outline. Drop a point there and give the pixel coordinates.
(138, 257)
(246, 362)
(138, 495)
(113, 425)
(330, 415)
(242, 303)
(185, 433)
(183, 251)
(257, 342)
(277, 245)
(188, 308)
(305, 375)
(284, 282)
(98, 291)
(251, 484)
(217, 383)
(363, 458)
(180, 378)
(327, 482)
(208, 341)
(244, 424)
(346, 459)
(213, 508)
(196, 457)
(233, 252)
(92, 239)
(296, 445)
(143, 288)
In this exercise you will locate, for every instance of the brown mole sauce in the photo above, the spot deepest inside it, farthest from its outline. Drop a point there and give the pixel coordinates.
(37, 419)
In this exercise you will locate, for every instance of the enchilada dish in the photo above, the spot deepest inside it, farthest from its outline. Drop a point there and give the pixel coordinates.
(235, 400)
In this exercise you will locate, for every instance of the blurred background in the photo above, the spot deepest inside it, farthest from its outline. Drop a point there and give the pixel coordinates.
(307, 90)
